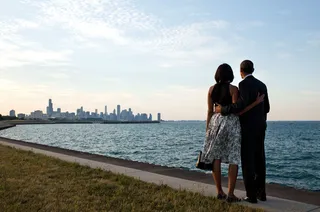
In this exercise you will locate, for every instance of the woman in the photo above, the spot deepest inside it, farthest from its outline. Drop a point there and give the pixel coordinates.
(223, 133)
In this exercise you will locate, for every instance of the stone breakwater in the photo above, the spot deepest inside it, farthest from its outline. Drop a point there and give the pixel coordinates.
(5, 125)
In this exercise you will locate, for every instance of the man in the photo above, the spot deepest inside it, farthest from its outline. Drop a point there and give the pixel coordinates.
(253, 127)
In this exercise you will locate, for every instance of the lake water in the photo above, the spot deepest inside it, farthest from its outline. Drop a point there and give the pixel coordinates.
(292, 148)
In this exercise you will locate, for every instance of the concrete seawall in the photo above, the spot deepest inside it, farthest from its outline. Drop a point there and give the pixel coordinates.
(5, 125)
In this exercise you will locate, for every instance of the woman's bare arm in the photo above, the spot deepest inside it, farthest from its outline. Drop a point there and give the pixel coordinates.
(235, 95)
(252, 105)
(210, 107)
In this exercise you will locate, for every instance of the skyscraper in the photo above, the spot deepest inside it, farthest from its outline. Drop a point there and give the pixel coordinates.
(118, 112)
(159, 116)
(105, 110)
(50, 108)
(12, 113)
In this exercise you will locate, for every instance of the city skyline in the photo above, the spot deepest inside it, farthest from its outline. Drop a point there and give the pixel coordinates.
(81, 114)
(157, 55)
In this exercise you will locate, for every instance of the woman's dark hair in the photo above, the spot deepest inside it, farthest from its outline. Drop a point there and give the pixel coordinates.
(224, 73)
(223, 77)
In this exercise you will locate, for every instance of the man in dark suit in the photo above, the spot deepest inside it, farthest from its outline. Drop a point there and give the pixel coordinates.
(253, 126)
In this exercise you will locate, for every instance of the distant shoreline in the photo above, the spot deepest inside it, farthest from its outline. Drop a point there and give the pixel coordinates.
(36, 122)
(11, 123)
(130, 122)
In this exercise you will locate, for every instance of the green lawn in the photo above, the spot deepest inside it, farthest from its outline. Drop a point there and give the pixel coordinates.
(33, 182)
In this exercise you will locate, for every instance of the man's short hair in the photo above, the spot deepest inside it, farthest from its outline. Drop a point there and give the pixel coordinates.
(247, 66)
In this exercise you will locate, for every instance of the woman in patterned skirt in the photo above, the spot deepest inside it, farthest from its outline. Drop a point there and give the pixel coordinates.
(223, 133)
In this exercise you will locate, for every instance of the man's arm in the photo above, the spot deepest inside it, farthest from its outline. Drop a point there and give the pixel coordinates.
(243, 101)
(266, 103)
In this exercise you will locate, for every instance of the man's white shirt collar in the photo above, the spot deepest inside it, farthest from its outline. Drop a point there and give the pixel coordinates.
(247, 76)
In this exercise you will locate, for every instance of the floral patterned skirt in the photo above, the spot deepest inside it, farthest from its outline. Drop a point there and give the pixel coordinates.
(223, 140)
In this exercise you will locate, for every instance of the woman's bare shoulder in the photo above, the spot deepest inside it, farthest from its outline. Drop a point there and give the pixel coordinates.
(233, 89)
(210, 89)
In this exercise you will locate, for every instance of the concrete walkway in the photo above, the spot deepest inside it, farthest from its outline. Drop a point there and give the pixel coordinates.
(273, 203)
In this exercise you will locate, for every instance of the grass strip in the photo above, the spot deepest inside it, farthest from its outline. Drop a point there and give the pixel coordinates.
(34, 182)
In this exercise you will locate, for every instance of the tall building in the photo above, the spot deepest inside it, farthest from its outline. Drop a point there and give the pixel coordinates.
(12, 113)
(37, 114)
(50, 108)
(118, 112)
(21, 116)
(159, 116)
(59, 110)
(143, 117)
(105, 110)
(150, 117)
(130, 114)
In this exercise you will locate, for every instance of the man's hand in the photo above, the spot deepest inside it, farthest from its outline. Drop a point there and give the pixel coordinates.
(217, 108)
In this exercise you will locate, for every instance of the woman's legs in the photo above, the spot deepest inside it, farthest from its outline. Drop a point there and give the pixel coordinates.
(232, 178)
(216, 173)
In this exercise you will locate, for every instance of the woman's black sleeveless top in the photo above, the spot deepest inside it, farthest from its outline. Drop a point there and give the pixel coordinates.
(221, 94)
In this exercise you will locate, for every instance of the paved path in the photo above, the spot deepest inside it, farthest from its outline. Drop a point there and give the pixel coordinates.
(142, 171)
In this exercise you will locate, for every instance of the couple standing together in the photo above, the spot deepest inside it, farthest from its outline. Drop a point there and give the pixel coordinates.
(236, 125)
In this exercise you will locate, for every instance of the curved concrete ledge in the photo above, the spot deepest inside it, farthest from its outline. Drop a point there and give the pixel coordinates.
(280, 198)
(4, 125)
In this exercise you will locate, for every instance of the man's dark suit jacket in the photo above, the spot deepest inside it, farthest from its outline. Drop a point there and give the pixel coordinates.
(249, 89)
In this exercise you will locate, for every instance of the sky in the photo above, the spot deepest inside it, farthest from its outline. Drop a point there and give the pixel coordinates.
(156, 56)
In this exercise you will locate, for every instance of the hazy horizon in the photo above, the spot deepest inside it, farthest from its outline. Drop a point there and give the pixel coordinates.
(156, 56)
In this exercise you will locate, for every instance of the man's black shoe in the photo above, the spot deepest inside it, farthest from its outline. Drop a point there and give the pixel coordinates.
(251, 200)
(262, 198)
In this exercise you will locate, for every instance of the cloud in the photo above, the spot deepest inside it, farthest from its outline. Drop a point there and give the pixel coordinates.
(18, 51)
(122, 23)
(188, 45)
(315, 42)
(108, 20)
(313, 39)
(28, 57)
